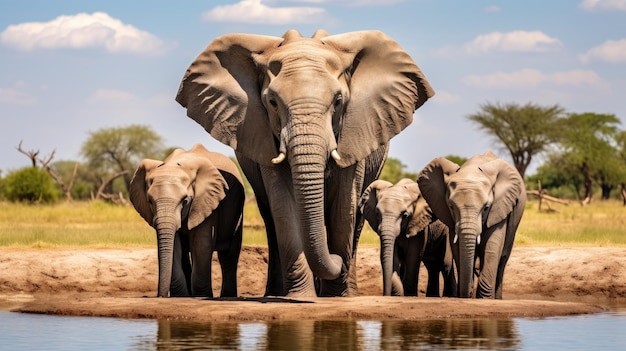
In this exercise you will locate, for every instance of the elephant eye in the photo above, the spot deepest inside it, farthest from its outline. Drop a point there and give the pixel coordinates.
(185, 201)
(338, 100)
(272, 101)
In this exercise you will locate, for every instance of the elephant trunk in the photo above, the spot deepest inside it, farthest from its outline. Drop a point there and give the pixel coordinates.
(166, 226)
(387, 243)
(308, 157)
(467, 236)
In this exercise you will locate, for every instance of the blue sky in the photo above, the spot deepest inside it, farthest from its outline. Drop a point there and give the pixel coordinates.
(69, 68)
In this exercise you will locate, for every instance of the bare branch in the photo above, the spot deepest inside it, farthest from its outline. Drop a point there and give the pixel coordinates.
(45, 162)
(31, 154)
(105, 182)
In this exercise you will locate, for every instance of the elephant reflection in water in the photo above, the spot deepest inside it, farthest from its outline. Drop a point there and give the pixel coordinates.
(490, 334)
(337, 334)
(172, 334)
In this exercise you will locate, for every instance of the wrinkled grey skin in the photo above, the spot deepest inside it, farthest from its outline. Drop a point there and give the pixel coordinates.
(310, 120)
(194, 200)
(408, 236)
(482, 203)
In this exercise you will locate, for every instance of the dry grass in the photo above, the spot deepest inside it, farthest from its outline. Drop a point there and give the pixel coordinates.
(97, 224)
(601, 223)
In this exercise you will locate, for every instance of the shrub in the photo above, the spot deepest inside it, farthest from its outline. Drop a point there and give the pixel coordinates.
(30, 184)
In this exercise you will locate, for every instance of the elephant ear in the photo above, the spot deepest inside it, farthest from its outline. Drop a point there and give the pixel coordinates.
(386, 87)
(138, 192)
(508, 187)
(221, 91)
(422, 215)
(369, 201)
(209, 189)
(432, 181)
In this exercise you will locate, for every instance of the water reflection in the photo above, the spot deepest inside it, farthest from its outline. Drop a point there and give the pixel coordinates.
(336, 335)
(604, 331)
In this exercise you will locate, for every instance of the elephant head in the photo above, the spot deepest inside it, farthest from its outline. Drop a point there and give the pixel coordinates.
(305, 100)
(471, 200)
(179, 192)
(393, 210)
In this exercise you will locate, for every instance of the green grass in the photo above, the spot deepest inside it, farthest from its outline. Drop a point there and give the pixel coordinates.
(102, 225)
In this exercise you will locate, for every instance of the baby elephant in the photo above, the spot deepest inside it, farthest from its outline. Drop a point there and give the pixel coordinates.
(408, 236)
(194, 199)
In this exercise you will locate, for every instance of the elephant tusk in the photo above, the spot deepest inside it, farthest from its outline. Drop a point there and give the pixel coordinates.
(456, 238)
(335, 155)
(478, 240)
(278, 159)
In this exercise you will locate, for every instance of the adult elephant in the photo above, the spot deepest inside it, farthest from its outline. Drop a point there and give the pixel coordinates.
(310, 120)
(194, 200)
(409, 235)
(482, 203)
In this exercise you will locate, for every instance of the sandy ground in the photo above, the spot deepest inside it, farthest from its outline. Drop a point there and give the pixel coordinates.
(539, 281)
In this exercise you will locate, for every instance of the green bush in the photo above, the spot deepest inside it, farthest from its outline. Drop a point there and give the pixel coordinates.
(30, 184)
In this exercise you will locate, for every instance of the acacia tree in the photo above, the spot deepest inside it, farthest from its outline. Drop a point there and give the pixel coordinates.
(589, 143)
(620, 139)
(119, 150)
(524, 131)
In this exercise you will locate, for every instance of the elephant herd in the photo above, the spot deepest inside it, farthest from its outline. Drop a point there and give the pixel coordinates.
(310, 121)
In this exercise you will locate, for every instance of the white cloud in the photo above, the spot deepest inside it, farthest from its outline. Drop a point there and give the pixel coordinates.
(492, 8)
(97, 30)
(445, 98)
(10, 96)
(16, 96)
(517, 41)
(613, 51)
(532, 78)
(110, 96)
(603, 5)
(253, 11)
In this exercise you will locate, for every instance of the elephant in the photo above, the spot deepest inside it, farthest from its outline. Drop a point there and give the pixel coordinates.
(408, 236)
(482, 202)
(194, 200)
(310, 120)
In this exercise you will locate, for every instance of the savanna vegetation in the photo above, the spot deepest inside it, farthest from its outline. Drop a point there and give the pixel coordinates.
(76, 203)
(104, 225)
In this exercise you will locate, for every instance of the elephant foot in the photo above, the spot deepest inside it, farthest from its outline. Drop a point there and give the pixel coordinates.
(333, 288)
(299, 281)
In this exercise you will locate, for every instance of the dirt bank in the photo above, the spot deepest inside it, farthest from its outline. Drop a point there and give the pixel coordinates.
(539, 281)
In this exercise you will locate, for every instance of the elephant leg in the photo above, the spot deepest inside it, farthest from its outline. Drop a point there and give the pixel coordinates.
(490, 260)
(295, 272)
(274, 285)
(340, 213)
(369, 172)
(511, 228)
(454, 251)
(413, 253)
(449, 279)
(228, 236)
(434, 270)
(201, 243)
(181, 267)
(228, 262)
